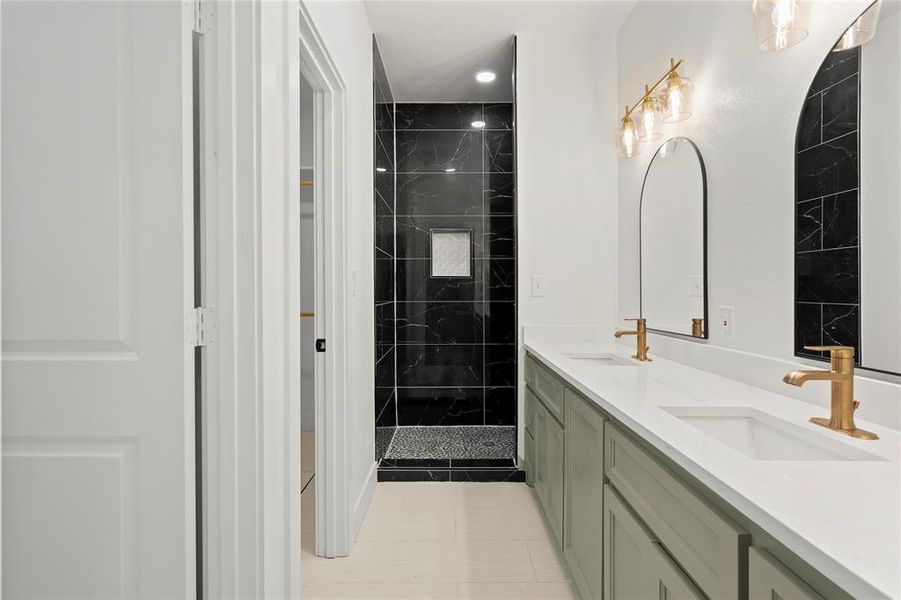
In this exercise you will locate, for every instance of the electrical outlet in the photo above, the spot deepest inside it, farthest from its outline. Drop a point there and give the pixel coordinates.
(537, 286)
(726, 322)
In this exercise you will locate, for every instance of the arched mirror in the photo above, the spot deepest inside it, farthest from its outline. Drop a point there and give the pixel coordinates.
(673, 241)
(848, 196)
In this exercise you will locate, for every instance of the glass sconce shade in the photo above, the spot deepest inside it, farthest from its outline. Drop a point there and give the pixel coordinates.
(675, 98)
(862, 30)
(626, 136)
(780, 23)
(649, 126)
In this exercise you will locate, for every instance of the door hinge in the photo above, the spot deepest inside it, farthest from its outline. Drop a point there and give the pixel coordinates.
(202, 326)
(203, 16)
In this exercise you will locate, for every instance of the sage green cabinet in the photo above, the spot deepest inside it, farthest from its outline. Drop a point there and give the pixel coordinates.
(769, 579)
(529, 457)
(635, 564)
(583, 497)
(548, 468)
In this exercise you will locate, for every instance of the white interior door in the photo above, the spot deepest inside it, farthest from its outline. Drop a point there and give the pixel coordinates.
(98, 473)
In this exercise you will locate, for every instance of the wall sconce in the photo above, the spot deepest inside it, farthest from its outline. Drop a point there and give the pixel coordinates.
(862, 30)
(780, 23)
(667, 101)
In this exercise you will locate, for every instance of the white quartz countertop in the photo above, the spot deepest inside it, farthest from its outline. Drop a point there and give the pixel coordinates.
(842, 517)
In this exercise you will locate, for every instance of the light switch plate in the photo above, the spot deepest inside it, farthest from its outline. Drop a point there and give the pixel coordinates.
(537, 286)
(726, 323)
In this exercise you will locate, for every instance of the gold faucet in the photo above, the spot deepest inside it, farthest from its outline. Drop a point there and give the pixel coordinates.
(841, 375)
(697, 327)
(641, 337)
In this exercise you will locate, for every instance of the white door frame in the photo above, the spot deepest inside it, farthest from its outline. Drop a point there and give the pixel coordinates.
(334, 534)
(256, 54)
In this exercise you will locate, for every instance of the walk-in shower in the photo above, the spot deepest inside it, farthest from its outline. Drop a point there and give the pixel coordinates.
(445, 284)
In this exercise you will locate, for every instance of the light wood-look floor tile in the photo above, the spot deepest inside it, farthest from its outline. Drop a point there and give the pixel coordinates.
(441, 540)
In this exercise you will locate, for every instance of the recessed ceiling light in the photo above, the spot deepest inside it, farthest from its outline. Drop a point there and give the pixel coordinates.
(478, 123)
(451, 170)
(485, 76)
(380, 169)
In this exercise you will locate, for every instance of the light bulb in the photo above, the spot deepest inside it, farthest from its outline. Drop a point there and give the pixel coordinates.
(783, 14)
(650, 119)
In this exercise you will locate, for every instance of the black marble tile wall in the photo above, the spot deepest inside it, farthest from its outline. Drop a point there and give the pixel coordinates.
(827, 262)
(384, 255)
(456, 336)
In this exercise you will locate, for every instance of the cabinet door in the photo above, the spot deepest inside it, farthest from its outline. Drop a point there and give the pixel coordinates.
(626, 548)
(539, 456)
(668, 581)
(554, 442)
(529, 458)
(770, 579)
(583, 515)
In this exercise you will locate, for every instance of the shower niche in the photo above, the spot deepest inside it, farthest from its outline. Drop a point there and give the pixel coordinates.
(445, 275)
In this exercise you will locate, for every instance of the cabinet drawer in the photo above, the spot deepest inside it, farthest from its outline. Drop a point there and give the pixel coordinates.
(708, 545)
(548, 387)
(529, 409)
(770, 579)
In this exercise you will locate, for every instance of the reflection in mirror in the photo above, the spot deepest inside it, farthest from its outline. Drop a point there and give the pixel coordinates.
(848, 196)
(673, 241)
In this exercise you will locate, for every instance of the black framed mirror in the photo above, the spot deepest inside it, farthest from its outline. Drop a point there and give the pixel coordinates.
(673, 241)
(848, 197)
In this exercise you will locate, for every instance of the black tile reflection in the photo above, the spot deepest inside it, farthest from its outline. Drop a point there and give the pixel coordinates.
(384, 323)
(414, 234)
(384, 201)
(439, 406)
(439, 194)
(385, 405)
(437, 151)
(827, 276)
(498, 116)
(841, 327)
(808, 329)
(499, 189)
(384, 152)
(840, 108)
(500, 405)
(415, 283)
(500, 237)
(384, 369)
(809, 225)
(840, 220)
(384, 236)
(500, 322)
(437, 115)
(828, 168)
(836, 67)
(439, 322)
(499, 151)
(500, 365)
(439, 365)
(810, 124)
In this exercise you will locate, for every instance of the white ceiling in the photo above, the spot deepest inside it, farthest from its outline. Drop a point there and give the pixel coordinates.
(432, 49)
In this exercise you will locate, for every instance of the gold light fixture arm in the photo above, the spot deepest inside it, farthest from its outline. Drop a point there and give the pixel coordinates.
(674, 65)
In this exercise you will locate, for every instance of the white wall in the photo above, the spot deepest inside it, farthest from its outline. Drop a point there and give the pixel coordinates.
(345, 30)
(567, 195)
(746, 104)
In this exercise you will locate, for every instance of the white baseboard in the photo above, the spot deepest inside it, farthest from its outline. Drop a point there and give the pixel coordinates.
(364, 499)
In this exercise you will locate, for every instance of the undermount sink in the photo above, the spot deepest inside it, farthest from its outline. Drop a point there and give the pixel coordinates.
(610, 360)
(760, 436)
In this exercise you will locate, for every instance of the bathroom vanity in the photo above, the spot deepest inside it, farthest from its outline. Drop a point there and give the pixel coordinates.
(660, 480)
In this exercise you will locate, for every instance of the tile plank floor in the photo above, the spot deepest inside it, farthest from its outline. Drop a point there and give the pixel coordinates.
(429, 540)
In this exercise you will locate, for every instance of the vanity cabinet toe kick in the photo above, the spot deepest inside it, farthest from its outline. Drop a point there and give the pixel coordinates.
(631, 524)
